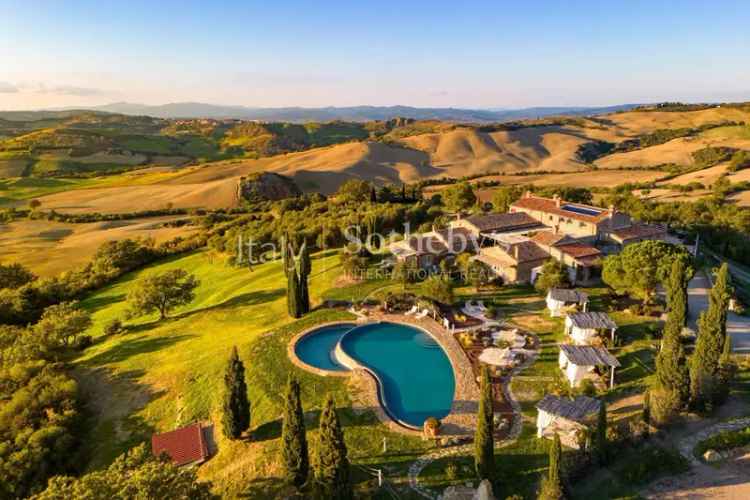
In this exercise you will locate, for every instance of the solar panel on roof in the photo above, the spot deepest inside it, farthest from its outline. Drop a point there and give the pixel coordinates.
(581, 210)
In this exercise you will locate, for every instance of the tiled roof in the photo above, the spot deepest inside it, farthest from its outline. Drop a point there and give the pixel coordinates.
(577, 410)
(588, 320)
(458, 239)
(639, 230)
(579, 250)
(427, 244)
(548, 238)
(184, 446)
(502, 222)
(549, 205)
(587, 355)
(567, 295)
(528, 251)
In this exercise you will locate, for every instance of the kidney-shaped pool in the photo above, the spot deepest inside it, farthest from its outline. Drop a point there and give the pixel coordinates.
(414, 373)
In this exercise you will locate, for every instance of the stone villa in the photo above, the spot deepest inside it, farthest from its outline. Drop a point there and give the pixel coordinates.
(516, 244)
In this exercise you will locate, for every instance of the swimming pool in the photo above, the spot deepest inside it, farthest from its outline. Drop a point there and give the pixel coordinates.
(316, 348)
(414, 374)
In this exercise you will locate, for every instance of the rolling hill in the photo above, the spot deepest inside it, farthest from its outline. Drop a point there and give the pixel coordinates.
(640, 145)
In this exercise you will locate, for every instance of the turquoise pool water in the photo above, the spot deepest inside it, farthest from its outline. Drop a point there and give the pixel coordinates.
(415, 375)
(316, 348)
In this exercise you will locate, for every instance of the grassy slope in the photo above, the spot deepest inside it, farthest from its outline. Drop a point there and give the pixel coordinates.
(161, 375)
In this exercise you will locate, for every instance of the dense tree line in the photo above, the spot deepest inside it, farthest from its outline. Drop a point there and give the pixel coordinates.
(722, 226)
(25, 304)
(39, 401)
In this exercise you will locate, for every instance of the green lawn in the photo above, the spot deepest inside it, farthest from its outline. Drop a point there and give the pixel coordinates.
(159, 375)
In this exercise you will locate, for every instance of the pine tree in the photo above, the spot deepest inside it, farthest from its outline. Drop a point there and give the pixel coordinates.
(712, 331)
(484, 446)
(236, 407)
(600, 444)
(294, 440)
(552, 485)
(332, 473)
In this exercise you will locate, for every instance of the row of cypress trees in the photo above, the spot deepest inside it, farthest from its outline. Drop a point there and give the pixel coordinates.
(332, 480)
(703, 380)
(297, 272)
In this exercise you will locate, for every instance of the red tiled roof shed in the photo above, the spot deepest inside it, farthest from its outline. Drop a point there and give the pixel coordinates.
(184, 446)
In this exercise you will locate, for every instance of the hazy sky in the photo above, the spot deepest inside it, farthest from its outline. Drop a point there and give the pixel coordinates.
(320, 53)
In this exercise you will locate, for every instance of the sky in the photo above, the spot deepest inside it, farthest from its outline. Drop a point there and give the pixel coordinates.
(272, 53)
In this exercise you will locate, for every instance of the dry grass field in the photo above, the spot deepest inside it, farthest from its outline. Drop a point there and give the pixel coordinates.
(49, 248)
(457, 152)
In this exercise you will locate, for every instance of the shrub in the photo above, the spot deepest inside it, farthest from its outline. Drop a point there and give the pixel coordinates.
(653, 461)
(83, 342)
(113, 327)
(725, 440)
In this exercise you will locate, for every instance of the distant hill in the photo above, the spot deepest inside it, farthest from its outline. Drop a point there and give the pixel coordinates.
(352, 113)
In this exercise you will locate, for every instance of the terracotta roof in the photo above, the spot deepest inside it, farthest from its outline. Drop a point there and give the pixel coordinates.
(579, 250)
(587, 355)
(528, 251)
(639, 231)
(577, 410)
(184, 446)
(550, 239)
(502, 222)
(577, 211)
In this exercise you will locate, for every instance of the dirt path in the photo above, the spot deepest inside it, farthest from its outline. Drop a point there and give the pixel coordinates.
(729, 479)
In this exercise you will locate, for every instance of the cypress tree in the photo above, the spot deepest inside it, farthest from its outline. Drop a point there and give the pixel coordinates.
(403, 192)
(293, 295)
(677, 297)
(484, 446)
(373, 195)
(305, 266)
(236, 407)
(295, 456)
(712, 330)
(726, 370)
(333, 464)
(600, 437)
(552, 485)
(671, 362)
(646, 414)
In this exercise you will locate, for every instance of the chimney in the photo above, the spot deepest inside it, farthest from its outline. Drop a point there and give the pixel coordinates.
(515, 252)
(612, 212)
(527, 194)
(557, 200)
